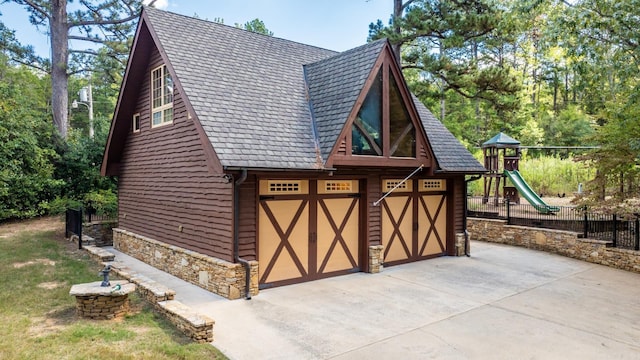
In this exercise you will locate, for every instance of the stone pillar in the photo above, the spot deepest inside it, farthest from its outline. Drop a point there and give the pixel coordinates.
(460, 240)
(96, 302)
(376, 258)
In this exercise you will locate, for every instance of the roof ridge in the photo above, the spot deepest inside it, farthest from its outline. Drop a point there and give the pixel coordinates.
(191, 18)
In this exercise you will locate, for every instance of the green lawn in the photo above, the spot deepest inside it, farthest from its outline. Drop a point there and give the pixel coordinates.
(37, 268)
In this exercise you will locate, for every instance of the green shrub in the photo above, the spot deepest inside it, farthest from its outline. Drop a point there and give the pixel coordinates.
(104, 202)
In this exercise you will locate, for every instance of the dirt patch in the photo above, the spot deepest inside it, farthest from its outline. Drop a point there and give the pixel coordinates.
(11, 228)
(51, 285)
(33, 262)
(54, 321)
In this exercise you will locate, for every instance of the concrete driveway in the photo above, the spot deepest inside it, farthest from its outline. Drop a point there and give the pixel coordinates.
(502, 303)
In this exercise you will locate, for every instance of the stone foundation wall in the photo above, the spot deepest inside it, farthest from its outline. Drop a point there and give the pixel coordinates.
(218, 276)
(560, 242)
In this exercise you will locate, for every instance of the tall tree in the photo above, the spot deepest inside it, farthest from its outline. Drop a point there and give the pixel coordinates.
(105, 22)
(608, 79)
(448, 42)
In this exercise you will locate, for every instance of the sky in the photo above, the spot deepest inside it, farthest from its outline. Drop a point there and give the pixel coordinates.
(331, 24)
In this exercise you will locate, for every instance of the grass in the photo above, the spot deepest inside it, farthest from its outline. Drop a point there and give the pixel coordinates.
(548, 175)
(37, 269)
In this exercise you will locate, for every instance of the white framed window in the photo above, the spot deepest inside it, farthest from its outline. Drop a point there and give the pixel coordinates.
(136, 123)
(161, 96)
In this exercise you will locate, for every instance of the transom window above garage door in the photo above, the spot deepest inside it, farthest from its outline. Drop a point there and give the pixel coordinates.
(284, 187)
(400, 185)
(337, 186)
(432, 185)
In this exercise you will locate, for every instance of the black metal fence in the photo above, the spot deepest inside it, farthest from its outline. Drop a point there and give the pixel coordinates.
(622, 232)
(73, 224)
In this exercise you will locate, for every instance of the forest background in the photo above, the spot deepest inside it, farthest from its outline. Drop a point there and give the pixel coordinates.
(546, 72)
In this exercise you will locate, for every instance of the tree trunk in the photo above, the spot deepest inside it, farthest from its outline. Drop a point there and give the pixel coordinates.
(59, 60)
(397, 13)
(442, 93)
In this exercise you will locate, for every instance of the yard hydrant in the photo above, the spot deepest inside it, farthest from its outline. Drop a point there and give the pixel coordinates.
(105, 273)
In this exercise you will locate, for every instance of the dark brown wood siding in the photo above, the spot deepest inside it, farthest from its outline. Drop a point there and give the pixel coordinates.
(166, 190)
(458, 202)
(248, 224)
(373, 193)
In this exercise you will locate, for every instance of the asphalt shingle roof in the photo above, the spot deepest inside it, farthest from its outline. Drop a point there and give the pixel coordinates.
(246, 89)
(249, 92)
(450, 154)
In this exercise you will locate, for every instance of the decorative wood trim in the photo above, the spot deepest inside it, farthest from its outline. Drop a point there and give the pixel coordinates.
(378, 161)
(346, 130)
(341, 155)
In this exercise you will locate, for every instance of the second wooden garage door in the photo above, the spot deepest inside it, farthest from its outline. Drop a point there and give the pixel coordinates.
(414, 220)
(307, 230)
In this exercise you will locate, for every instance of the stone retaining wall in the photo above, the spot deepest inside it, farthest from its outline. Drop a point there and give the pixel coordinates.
(560, 242)
(218, 276)
(197, 326)
(100, 231)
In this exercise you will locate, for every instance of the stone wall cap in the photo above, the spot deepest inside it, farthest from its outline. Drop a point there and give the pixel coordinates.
(94, 289)
(178, 308)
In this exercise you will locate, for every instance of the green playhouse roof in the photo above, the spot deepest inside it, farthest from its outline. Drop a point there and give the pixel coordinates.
(501, 140)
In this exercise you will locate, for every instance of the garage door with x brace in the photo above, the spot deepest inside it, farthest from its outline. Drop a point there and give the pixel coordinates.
(307, 230)
(414, 220)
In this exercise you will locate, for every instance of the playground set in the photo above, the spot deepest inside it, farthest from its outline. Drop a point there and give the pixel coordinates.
(507, 148)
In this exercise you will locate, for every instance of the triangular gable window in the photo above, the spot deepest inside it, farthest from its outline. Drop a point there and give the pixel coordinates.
(367, 132)
(402, 134)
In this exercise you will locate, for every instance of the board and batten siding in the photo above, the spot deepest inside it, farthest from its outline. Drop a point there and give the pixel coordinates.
(166, 190)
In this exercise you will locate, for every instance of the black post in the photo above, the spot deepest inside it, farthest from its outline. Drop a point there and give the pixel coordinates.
(586, 224)
(615, 231)
(66, 223)
(79, 228)
(637, 245)
(508, 212)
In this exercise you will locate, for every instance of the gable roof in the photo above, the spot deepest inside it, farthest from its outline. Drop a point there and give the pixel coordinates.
(247, 89)
(334, 85)
(265, 102)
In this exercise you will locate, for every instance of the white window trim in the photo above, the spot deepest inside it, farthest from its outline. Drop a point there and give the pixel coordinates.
(163, 107)
(133, 123)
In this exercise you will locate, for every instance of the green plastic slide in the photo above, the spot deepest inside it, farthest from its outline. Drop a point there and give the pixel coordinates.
(525, 190)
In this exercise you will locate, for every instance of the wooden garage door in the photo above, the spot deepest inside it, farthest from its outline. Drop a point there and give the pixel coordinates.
(414, 220)
(307, 230)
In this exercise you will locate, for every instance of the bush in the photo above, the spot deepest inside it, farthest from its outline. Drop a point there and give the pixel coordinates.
(103, 202)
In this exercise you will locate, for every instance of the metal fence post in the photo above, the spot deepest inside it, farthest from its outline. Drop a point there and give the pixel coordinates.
(79, 228)
(637, 234)
(586, 224)
(615, 231)
(508, 212)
